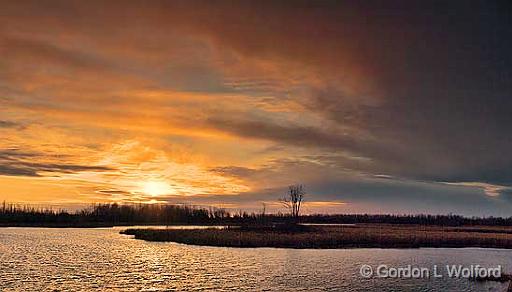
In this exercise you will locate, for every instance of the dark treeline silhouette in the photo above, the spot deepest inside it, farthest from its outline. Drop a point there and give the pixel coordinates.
(421, 219)
(169, 214)
(109, 215)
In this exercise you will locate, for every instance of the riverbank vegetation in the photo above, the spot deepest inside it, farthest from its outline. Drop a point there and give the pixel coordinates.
(168, 214)
(109, 215)
(356, 236)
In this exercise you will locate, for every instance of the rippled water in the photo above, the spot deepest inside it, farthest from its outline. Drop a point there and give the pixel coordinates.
(41, 259)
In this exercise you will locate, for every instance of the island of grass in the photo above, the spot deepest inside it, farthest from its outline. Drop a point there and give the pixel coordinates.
(353, 236)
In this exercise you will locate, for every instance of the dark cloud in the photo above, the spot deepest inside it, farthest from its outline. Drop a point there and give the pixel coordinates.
(289, 134)
(442, 73)
(8, 124)
(235, 171)
(371, 196)
(110, 192)
(446, 136)
(326, 181)
(61, 168)
(18, 163)
(16, 171)
(15, 153)
(33, 50)
(419, 91)
(399, 196)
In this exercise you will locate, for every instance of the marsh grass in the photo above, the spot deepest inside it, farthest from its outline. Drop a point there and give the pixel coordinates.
(359, 236)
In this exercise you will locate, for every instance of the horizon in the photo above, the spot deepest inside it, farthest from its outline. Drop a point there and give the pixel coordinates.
(269, 211)
(377, 108)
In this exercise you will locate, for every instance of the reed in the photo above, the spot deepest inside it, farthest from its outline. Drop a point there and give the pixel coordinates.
(362, 236)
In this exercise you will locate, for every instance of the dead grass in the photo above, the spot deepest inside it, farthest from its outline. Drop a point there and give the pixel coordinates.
(358, 236)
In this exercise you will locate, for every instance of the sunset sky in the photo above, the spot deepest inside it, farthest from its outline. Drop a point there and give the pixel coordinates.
(375, 106)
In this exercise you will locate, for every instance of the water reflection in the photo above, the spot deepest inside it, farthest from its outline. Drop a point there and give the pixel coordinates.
(86, 259)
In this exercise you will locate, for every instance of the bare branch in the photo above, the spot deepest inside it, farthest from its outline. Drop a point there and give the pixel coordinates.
(293, 200)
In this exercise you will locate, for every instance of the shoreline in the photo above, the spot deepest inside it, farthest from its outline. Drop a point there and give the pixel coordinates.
(328, 237)
(104, 225)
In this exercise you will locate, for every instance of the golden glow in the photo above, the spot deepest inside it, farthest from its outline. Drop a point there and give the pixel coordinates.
(156, 188)
(144, 116)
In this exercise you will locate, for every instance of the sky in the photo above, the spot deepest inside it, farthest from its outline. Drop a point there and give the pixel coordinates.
(375, 106)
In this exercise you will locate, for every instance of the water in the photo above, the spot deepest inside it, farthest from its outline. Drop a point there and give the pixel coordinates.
(44, 259)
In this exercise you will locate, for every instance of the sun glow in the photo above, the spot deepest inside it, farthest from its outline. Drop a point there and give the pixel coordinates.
(156, 188)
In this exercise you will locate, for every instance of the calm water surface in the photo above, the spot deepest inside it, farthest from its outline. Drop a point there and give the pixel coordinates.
(43, 259)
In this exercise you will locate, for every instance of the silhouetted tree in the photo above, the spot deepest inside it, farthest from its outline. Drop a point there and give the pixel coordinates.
(293, 200)
(167, 214)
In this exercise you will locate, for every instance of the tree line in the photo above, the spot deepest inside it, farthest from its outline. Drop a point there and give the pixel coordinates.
(109, 214)
(112, 214)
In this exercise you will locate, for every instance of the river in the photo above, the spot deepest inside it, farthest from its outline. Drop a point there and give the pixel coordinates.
(88, 259)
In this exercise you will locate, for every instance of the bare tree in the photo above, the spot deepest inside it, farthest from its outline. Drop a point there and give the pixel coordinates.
(263, 213)
(293, 200)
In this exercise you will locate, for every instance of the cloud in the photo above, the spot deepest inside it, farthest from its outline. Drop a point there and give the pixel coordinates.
(236, 171)
(13, 154)
(18, 163)
(43, 52)
(9, 124)
(411, 95)
(289, 134)
(15, 171)
(489, 189)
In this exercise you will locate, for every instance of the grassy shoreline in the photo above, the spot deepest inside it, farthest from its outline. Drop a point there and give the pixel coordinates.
(358, 236)
(98, 225)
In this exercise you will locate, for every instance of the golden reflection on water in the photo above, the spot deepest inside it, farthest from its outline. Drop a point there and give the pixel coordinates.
(44, 259)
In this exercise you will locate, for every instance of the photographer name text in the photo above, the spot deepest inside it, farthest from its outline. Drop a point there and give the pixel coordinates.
(417, 272)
